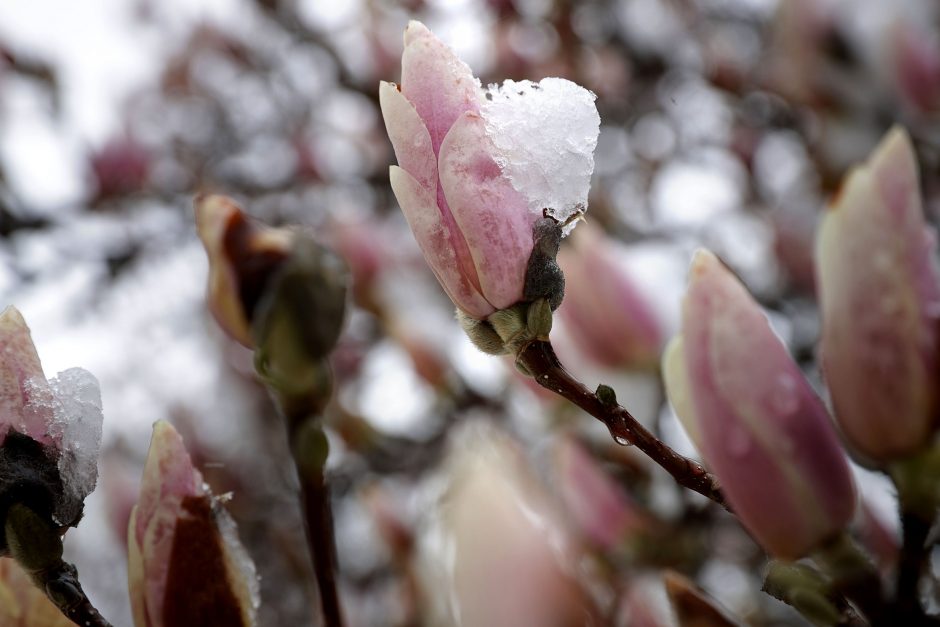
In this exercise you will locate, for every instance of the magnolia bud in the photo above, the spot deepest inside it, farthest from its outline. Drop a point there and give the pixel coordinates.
(879, 293)
(755, 419)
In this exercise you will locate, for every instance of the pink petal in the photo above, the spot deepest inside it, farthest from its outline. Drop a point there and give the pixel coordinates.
(493, 217)
(439, 242)
(439, 84)
(763, 431)
(879, 294)
(510, 557)
(409, 136)
(597, 504)
(24, 391)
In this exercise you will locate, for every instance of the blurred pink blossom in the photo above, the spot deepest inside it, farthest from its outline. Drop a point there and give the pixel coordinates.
(606, 314)
(758, 424)
(508, 559)
(599, 506)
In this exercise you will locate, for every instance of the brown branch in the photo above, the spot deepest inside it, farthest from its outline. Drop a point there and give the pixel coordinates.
(301, 412)
(64, 590)
(318, 516)
(538, 357)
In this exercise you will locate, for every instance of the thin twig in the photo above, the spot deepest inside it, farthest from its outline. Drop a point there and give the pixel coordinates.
(64, 590)
(318, 515)
(540, 360)
(301, 414)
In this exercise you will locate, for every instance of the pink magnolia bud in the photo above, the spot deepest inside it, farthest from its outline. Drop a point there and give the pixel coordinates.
(50, 431)
(507, 559)
(604, 311)
(241, 254)
(22, 604)
(755, 419)
(185, 563)
(473, 221)
(879, 293)
(474, 229)
(601, 509)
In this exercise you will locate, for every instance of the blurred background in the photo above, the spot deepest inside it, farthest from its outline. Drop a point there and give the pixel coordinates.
(724, 123)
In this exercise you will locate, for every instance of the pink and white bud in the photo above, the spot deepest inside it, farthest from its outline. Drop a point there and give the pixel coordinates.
(601, 509)
(501, 556)
(185, 563)
(471, 200)
(755, 419)
(241, 253)
(55, 423)
(879, 293)
(606, 314)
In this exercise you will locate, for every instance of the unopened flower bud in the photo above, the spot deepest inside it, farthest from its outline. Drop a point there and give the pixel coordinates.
(506, 559)
(473, 190)
(185, 563)
(49, 432)
(879, 292)
(242, 256)
(604, 311)
(754, 418)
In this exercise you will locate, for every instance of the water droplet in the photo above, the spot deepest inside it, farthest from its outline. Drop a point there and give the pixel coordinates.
(619, 439)
(784, 398)
(739, 442)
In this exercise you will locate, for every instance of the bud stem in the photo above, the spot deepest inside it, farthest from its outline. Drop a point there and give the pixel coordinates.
(37, 546)
(301, 410)
(808, 592)
(915, 479)
(538, 357)
(854, 576)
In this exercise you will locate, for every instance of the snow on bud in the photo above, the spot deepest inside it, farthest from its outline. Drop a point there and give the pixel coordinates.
(600, 508)
(879, 293)
(185, 563)
(499, 556)
(50, 431)
(475, 176)
(605, 313)
(754, 418)
(242, 255)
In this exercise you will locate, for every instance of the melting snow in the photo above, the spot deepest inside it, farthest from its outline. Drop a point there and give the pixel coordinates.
(545, 135)
(77, 419)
